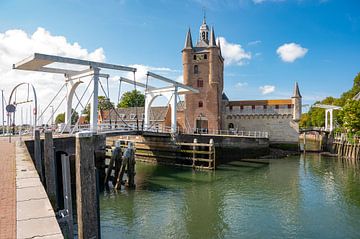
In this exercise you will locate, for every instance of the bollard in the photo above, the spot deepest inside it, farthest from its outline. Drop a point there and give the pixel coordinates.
(49, 163)
(86, 192)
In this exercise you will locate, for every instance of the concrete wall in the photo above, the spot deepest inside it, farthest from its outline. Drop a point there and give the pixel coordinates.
(281, 128)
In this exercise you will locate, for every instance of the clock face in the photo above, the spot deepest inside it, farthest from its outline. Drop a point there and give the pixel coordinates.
(199, 57)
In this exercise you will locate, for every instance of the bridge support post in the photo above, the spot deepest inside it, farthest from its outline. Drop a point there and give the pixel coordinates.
(94, 101)
(173, 110)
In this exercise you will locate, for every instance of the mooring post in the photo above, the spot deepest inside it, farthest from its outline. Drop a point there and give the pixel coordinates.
(131, 165)
(194, 154)
(86, 193)
(66, 177)
(50, 174)
(212, 152)
(115, 158)
(37, 154)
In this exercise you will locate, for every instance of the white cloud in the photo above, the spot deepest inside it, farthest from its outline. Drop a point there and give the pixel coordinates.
(253, 43)
(233, 53)
(241, 84)
(16, 44)
(262, 1)
(290, 52)
(267, 89)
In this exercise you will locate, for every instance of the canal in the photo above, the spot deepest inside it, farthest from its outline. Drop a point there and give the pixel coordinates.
(297, 197)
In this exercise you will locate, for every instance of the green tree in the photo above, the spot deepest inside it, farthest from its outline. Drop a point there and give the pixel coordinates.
(132, 99)
(103, 104)
(60, 118)
(351, 116)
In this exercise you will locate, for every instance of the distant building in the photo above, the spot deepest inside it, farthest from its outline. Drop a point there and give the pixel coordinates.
(211, 110)
(203, 68)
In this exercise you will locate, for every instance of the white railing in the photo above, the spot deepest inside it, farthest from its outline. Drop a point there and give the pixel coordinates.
(166, 129)
(242, 133)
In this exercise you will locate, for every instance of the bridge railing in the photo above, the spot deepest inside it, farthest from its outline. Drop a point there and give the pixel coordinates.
(166, 129)
(239, 133)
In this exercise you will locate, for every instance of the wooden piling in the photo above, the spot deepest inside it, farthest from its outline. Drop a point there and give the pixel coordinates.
(212, 152)
(131, 165)
(50, 173)
(37, 154)
(66, 177)
(194, 153)
(86, 193)
(115, 157)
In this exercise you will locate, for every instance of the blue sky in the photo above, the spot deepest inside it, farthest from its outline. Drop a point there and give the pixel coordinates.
(152, 33)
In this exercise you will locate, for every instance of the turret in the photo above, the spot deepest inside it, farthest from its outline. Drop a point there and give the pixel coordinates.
(186, 57)
(297, 103)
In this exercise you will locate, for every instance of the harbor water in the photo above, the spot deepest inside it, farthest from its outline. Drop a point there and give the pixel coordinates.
(307, 196)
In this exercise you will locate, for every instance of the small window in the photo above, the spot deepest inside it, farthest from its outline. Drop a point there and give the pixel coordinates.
(276, 106)
(205, 56)
(241, 107)
(231, 126)
(132, 116)
(289, 106)
(196, 69)
(194, 57)
(230, 107)
(265, 107)
(201, 104)
(253, 107)
(203, 35)
(200, 83)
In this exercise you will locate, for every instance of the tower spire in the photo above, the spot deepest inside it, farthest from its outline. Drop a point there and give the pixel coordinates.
(219, 46)
(188, 40)
(212, 38)
(296, 91)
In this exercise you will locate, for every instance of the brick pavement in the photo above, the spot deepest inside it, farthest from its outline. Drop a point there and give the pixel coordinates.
(7, 189)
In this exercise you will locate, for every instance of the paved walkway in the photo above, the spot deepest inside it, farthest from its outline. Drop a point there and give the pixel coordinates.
(7, 189)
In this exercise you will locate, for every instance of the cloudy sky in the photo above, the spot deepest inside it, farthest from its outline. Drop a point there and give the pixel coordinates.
(267, 44)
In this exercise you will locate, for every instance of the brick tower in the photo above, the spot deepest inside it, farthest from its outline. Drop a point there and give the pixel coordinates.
(203, 68)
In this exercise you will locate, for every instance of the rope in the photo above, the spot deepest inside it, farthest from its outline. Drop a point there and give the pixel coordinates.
(77, 122)
(72, 112)
(56, 109)
(163, 112)
(117, 114)
(50, 102)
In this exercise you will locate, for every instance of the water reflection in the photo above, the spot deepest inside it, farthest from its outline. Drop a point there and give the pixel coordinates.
(297, 197)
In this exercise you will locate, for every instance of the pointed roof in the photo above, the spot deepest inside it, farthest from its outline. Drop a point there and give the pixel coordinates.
(188, 40)
(212, 38)
(296, 91)
(218, 45)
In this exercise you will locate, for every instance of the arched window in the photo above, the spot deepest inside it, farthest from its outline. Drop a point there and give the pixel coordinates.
(201, 104)
(200, 83)
(231, 125)
(203, 35)
(196, 69)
